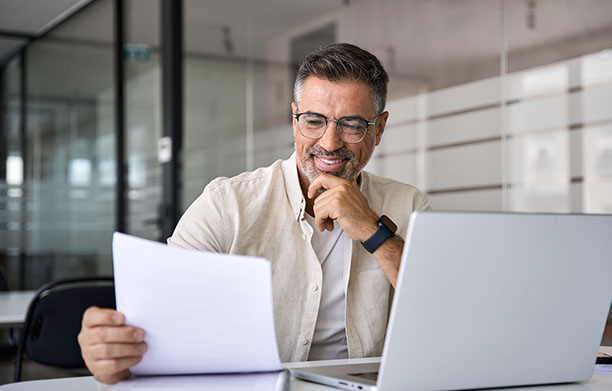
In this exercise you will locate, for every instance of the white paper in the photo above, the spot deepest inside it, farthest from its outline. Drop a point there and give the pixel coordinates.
(603, 368)
(201, 312)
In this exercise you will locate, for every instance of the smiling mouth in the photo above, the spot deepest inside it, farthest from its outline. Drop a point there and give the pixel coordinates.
(330, 161)
(329, 164)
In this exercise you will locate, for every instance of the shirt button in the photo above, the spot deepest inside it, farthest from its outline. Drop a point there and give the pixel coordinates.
(303, 236)
(315, 288)
(304, 341)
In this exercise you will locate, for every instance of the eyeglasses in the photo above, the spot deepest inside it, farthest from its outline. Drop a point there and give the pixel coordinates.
(350, 129)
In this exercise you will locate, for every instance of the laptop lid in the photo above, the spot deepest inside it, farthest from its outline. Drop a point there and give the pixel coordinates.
(498, 299)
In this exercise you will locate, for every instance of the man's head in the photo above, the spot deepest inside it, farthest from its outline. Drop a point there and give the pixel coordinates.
(339, 81)
(340, 62)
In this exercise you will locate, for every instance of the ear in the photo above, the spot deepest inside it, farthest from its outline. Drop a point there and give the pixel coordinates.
(382, 122)
(293, 120)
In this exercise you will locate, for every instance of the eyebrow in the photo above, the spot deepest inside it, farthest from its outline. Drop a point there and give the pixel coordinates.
(344, 116)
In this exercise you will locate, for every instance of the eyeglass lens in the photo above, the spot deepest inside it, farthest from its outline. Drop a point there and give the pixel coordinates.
(351, 130)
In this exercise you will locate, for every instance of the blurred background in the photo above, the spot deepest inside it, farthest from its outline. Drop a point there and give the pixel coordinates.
(497, 105)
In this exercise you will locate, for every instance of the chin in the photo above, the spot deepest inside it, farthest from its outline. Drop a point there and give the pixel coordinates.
(350, 171)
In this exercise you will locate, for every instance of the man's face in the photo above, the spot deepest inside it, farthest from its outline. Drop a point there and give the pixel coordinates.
(330, 154)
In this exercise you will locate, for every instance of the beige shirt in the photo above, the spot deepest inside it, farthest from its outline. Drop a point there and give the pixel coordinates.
(261, 213)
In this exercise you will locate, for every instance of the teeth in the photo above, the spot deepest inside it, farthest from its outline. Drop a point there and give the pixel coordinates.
(330, 161)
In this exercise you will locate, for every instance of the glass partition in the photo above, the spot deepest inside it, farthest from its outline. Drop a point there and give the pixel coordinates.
(143, 117)
(494, 105)
(238, 84)
(12, 215)
(70, 177)
(557, 113)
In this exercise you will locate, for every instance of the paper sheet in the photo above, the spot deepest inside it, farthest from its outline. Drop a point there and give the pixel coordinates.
(603, 368)
(201, 312)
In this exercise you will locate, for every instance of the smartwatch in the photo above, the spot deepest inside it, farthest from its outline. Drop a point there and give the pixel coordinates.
(386, 229)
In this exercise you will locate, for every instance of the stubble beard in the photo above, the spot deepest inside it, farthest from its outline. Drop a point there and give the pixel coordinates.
(311, 171)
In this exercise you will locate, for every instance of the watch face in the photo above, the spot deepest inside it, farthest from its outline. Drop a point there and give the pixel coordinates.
(388, 223)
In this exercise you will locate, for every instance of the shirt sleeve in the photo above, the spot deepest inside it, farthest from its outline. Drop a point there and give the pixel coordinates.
(204, 226)
(421, 202)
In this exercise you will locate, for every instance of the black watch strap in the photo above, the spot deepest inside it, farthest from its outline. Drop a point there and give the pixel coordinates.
(386, 229)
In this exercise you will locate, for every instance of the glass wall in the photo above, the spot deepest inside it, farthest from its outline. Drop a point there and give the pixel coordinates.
(70, 177)
(143, 117)
(238, 83)
(494, 105)
(12, 202)
(558, 97)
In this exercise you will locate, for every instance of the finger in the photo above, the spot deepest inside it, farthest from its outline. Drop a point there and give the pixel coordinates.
(322, 200)
(324, 222)
(114, 378)
(95, 316)
(105, 351)
(320, 215)
(113, 370)
(320, 223)
(314, 188)
(329, 224)
(102, 334)
(323, 181)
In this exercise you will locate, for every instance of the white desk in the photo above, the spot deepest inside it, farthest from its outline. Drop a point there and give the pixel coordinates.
(13, 307)
(273, 382)
(599, 382)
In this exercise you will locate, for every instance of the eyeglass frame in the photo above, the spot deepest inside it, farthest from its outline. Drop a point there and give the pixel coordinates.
(368, 124)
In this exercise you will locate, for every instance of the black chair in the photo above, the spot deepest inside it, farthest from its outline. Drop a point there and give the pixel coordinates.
(3, 279)
(53, 321)
(8, 337)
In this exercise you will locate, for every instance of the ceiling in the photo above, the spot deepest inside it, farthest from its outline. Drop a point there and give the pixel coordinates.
(437, 42)
(35, 17)
(22, 20)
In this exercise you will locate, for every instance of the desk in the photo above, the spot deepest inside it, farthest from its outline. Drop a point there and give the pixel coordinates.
(13, 307)
(260, 382)
(599, 382)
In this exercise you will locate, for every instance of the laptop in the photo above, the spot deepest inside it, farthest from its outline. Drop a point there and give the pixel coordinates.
(489, 300)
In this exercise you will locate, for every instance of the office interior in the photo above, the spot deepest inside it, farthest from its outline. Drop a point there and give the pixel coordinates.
(495, 105)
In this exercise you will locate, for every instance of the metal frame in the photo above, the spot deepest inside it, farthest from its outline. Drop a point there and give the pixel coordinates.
(3, 132)
(23, 80)
(172, 106)
(120, 158)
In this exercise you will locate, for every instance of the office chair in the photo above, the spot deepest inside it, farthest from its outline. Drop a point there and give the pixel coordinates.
(53, 321)
(8, 345)
(3, 279)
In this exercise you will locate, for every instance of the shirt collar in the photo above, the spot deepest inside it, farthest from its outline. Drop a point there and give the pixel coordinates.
(292, 187)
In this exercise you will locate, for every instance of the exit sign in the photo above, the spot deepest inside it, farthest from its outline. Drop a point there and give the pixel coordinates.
(136, 52)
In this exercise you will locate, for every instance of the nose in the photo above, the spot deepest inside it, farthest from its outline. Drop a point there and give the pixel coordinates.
(330, 140)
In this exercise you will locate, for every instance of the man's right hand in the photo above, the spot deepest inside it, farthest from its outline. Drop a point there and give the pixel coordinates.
(108, 346)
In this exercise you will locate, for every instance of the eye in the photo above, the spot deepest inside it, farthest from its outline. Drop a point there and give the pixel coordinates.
(353, 125)
(313, 121)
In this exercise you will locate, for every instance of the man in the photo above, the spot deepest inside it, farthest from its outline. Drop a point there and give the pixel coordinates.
(319, 219)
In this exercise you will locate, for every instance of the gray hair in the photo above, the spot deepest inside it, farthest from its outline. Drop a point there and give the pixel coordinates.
(343, 61)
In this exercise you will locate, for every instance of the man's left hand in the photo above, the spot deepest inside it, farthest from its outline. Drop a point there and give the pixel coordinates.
(342, 201)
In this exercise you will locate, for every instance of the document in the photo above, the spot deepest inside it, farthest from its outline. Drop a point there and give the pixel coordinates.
(202, 312)
(603, 368)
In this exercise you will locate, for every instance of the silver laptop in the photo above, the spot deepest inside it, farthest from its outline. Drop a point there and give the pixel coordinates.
(491, 300)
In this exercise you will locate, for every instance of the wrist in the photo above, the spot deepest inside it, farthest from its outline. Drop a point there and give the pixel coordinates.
(386, 229)
(370, 229)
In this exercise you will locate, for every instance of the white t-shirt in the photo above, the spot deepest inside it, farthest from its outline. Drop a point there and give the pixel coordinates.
(329, 339)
